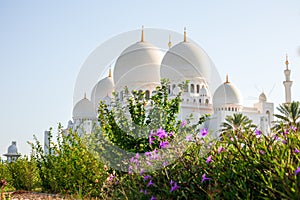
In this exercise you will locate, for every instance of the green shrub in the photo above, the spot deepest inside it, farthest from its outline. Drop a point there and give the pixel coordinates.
(69, 168)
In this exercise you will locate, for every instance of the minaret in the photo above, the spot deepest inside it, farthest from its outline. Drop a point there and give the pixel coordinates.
(287, 83)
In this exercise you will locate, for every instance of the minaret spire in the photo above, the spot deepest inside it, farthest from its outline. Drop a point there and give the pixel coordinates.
(109, 72)
(227, 81)
(142, 37)
(169, 43)
(184, 34)
(287, 83)
(84, 95)
(287, 61)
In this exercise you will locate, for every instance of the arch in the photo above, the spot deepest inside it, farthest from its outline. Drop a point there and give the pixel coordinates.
(148, 94)
(269, 116)
(206, 101)
(198, 88)
(199, 100)
(192, 88)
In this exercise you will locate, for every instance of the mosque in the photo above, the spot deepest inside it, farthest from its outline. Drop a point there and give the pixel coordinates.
(142, 65)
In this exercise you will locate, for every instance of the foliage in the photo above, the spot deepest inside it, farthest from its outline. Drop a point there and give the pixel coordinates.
(289, 115)
(68, 168)
(251, 166)
(23, 174)
(131, 133)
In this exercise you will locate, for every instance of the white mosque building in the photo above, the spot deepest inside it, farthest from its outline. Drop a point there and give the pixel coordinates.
(141, 67)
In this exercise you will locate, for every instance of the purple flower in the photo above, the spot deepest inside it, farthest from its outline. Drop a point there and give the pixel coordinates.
(220, 149)
(296, 150)
(174, 186)
(170, 134)
(284, 141)
(147, 177)
(148, 163)
(161, 133)
(208, 160)
(297, 171)
(137, 155)
(232, 139)
(165, 163)
(275, 137)
(164, 144)
(152, 198)
(204, 178)
(189, 137)
(183, 123)
(261, 152)
(143, 191)
(150, 183)
(142, 171)
(111, 177)
(294, 128)
(151, 139)
(148, 153)
(204, 132)
(257, 132)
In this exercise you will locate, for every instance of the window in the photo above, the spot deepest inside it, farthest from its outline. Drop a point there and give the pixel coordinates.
(199, 100)
(206, 101)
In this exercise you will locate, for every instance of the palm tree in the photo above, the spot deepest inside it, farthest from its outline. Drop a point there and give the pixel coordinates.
(237, 123)
(289, 116)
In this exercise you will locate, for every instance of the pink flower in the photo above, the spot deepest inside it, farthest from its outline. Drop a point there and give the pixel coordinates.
(204, 178)
(150, 183)
(183, 123)
(261, 152)
(153, 198)
(296, 150)
(174, 186)
(208, 160)
(164, 144)
(161, 133)
(142, 171)
(220, 149)
(257, 132)
(147, 177)
(189, 137)
(297, 171)
(204, 132)
(294, 128)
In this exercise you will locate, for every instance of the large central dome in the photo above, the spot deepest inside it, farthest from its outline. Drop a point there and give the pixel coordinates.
(137, 65)
(184, 61)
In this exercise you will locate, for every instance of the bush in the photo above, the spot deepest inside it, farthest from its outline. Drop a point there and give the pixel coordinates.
(23, 174)
(69, 168)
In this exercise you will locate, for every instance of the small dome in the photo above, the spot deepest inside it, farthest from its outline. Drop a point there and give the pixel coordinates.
(103, 88)
(139, 63)
(203, 91)
(84, 109)
(227, 93)
(12, 149)
(184, 61)
(262, 97)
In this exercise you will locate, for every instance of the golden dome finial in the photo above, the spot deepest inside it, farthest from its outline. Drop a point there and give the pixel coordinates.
(109, 72)
(142, 37)
(84, 95)
(227, 81)
(169, 43)
(184, 34)
(286, 61)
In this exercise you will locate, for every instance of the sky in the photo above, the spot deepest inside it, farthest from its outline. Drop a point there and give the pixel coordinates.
(43, 45)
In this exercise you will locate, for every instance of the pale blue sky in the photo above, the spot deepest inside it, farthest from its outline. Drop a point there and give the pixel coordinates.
(44, 43)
